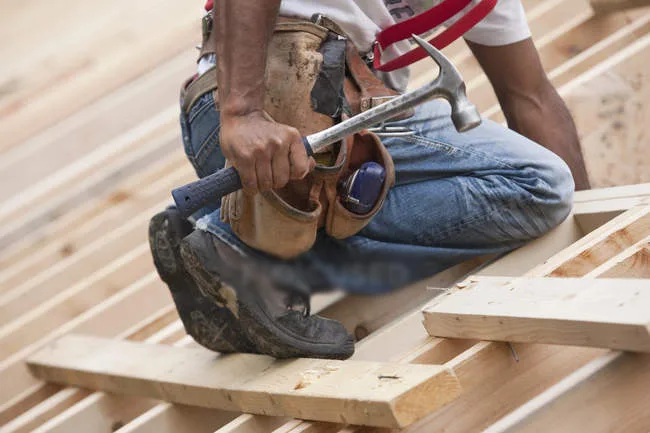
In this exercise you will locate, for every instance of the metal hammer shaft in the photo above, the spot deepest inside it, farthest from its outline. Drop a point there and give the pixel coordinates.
(448, 85)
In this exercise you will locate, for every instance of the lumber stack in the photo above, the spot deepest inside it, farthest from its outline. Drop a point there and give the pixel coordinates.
(96, 161)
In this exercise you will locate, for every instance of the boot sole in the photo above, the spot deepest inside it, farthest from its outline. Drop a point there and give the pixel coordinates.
(209, 324)
(262, 330)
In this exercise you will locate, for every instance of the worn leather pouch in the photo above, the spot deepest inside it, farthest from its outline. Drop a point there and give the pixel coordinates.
(284, 222)
(362, 147)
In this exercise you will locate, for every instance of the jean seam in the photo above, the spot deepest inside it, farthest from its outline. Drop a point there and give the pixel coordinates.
(200, 110)
(431, 143)
(212, 139)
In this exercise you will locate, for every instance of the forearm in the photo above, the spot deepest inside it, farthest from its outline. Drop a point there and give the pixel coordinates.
(265, 153)
(242, 34)
(530, 103)
(544, 118)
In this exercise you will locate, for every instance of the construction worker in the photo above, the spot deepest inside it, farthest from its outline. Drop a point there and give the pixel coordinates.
(243, 274)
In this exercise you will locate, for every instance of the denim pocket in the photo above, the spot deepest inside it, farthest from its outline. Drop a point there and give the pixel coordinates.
(201, 136)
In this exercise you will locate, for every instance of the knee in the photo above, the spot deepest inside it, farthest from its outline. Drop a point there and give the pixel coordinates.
(552, 192)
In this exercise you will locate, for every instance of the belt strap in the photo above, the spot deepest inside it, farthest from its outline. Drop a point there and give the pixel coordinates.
(197, 87)
(319, 26)
(424, 22)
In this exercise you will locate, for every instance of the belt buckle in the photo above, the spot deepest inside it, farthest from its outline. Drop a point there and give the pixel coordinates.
(317, 19)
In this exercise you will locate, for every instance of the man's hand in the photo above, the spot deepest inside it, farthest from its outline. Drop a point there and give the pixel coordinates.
(265, 153)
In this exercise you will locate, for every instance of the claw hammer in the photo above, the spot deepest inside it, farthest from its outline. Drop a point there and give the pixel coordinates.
(448, 85)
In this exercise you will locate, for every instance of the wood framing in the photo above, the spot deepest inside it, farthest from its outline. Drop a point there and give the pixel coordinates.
(610, 394)
(610, 313)
(93, 149)
(364, 393)
(608, 6)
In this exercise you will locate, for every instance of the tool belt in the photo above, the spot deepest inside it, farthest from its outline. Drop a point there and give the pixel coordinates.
(314, 78)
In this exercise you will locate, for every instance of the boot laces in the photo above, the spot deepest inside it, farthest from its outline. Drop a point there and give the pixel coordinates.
(299, 302)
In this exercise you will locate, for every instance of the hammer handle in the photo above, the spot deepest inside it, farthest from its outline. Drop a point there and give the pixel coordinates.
(193, 196)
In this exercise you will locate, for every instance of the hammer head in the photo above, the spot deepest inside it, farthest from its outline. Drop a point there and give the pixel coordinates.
(452, 87)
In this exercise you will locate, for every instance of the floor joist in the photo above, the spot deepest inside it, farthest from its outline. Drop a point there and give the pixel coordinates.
(364, 393)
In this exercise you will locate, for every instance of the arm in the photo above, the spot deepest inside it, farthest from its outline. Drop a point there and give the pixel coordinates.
(530, 103)
(265, 153)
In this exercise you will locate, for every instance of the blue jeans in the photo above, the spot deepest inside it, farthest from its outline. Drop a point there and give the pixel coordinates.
(457, 196)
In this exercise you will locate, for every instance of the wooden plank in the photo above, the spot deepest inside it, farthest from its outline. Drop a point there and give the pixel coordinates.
(18, 301)
(94, 127)
(378, 310)
(489, 371)
(614, 192)
(591, 215)
(634, 262)
(126, 204)
(610, 394)
(593, 208)
(111, 207)
(599, 246)
(168, 418)
(313, 389)
(110, 318)
(132, 43)
(57, 412)
(609, 6)
(495, 383)
(475, 410)
(90, 176)
(75, 300)
(607, 313)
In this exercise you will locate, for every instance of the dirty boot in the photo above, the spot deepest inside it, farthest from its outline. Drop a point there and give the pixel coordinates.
(204, 317)
(272, 303)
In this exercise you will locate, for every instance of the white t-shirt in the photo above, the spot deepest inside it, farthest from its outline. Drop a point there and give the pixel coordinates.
(363, 19)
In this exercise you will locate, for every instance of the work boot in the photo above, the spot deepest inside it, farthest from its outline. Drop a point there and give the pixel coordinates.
(205, 318)
(271, 302)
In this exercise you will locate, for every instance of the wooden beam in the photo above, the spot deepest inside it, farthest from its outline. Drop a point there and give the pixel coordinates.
(610, 394)
(598, 246)
(607, 313)
(609, 6)
(615, 192)
(487, 371)
(389, 344)
(305, 388)
(110, 318)
(117, 207)
(593, 208)
(634, 262)
(131, 47)
(105, 208)
(82, 181)
(52, 281)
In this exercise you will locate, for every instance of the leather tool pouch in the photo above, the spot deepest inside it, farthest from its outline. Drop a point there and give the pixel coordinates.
(305, 74)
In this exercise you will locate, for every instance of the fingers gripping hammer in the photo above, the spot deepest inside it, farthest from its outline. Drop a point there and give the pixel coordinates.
(448, 85)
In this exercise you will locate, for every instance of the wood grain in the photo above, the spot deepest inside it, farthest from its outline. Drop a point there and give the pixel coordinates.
(366, 393)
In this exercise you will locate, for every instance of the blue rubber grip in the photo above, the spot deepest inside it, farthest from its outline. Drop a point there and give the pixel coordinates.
(195, 195)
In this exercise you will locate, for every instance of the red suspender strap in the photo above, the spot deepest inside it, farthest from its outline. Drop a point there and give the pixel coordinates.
(425, 22)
